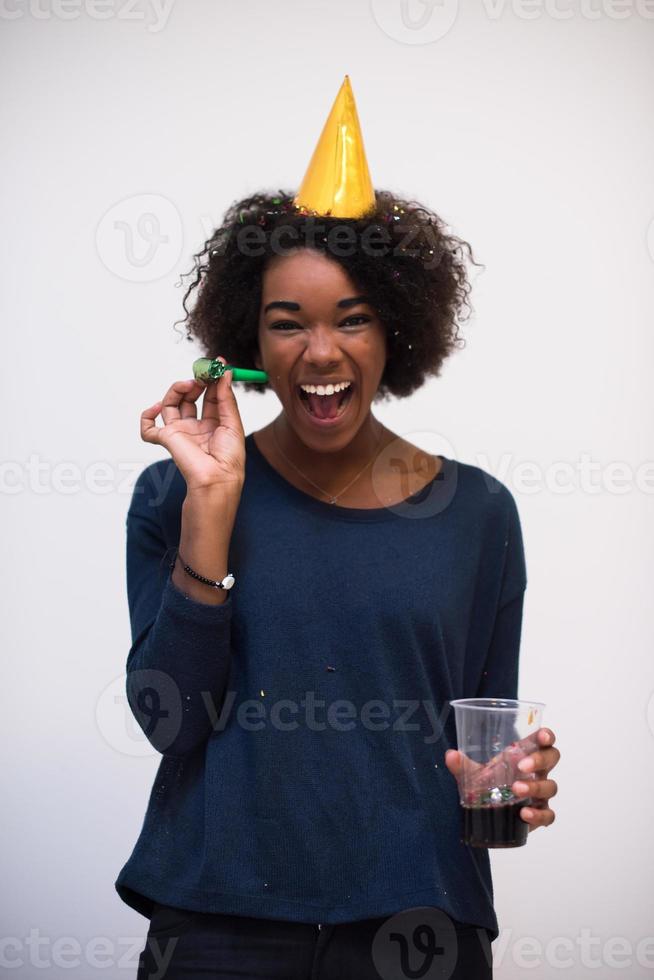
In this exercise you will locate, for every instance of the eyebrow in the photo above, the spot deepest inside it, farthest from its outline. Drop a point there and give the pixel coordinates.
(284, 304)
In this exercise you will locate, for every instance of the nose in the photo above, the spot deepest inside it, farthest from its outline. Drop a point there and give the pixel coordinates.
(322, 347)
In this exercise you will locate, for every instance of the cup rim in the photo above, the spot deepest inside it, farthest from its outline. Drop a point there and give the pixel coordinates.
(495, 704)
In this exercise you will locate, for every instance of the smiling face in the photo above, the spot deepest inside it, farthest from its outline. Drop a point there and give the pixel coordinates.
(316, 328)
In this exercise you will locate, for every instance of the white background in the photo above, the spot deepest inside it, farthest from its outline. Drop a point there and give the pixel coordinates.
(528, 128)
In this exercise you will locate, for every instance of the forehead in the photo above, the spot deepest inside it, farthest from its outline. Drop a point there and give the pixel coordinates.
(306, 273)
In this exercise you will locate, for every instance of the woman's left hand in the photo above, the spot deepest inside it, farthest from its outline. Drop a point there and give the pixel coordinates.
(540, 789)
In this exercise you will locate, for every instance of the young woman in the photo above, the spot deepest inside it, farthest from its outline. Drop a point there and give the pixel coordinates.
(307, 794)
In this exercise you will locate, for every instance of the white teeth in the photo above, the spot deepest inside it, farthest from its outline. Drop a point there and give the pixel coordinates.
(325, 389)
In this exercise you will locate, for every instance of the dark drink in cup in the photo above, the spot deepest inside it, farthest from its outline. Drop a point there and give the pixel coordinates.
(493, 735)
(494, 826)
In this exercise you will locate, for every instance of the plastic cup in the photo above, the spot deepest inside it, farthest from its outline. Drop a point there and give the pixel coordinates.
(494, 734)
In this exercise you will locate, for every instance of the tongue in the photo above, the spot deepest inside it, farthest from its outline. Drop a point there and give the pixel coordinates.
(324, 406)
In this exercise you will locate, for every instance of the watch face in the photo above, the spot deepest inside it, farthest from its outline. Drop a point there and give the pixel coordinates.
(228, 581)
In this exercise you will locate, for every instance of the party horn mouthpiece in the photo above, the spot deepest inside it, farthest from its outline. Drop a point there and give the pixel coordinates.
(209, 369)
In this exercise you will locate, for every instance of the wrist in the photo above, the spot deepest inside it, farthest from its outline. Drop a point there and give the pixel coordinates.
(215, 499)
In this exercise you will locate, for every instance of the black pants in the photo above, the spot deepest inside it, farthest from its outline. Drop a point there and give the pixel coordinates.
(420, 943)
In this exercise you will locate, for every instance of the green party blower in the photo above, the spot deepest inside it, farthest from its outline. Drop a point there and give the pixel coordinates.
(209, 369)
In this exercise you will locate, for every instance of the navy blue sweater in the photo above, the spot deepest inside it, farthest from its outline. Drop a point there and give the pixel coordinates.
(303, 723)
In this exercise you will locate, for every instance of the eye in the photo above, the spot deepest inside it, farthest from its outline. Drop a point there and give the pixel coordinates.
(355, 320)
(361, 317)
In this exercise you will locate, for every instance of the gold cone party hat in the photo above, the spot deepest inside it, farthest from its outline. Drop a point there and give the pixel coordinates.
(337, 181)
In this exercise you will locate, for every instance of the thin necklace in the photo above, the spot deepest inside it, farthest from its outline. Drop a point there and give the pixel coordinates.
(332, 498)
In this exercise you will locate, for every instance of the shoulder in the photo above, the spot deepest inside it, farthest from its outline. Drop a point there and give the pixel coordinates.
(472, 487)
(498, 521)
(484, 492)
(481, 481)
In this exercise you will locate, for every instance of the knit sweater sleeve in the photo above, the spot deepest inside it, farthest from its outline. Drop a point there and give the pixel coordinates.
(500, 674)
(179, 661)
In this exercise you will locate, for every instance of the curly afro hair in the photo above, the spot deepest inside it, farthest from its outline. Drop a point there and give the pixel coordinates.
(401, 255)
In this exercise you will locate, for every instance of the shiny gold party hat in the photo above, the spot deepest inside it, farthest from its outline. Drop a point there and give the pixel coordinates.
(337, 181)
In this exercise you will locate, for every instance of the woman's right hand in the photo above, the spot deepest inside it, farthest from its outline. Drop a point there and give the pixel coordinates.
(209, 451)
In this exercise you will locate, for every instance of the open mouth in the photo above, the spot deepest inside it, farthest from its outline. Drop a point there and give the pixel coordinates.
(326, 407)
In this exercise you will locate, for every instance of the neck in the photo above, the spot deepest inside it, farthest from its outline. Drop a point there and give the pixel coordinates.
(330, 468)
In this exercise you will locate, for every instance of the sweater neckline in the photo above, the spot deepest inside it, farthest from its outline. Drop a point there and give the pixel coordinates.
(334, 511)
